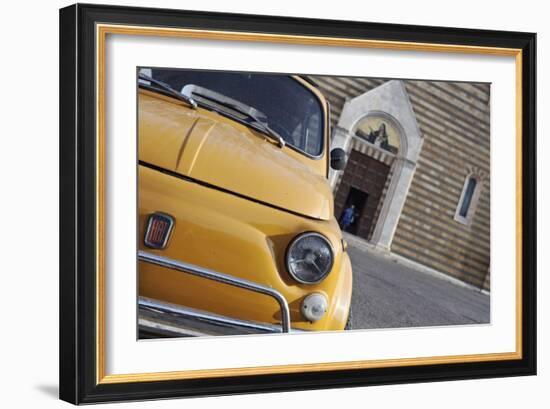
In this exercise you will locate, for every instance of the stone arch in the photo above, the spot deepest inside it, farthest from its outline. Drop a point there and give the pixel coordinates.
(389, 100)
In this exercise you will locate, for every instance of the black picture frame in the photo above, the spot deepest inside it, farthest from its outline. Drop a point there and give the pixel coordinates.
(78, 258)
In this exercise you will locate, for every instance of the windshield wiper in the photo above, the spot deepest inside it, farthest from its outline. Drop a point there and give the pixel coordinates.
(189, 100)
(256, 118)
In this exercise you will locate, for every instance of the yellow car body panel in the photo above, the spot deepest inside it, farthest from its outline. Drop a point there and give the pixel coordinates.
(238, 200)
(214, 149)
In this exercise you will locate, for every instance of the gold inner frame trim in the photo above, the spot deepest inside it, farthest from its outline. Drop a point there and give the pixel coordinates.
(101, 32)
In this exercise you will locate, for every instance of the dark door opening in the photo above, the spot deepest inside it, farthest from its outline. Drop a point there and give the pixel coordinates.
(356, 198)
(362, 174)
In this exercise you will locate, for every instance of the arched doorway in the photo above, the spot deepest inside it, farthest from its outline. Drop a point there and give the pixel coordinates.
(363, 184)
(378, 130)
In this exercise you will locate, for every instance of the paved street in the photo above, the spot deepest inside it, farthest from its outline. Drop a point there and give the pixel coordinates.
(387, 294)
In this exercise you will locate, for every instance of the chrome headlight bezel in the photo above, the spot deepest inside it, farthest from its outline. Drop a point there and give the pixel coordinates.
(292, 246)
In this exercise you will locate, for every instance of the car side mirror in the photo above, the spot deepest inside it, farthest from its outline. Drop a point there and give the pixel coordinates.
(338, 159)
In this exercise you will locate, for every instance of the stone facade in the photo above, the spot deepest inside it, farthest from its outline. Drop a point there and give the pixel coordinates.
(434, 206)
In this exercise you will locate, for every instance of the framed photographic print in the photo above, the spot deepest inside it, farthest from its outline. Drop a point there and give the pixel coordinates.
(258, 203)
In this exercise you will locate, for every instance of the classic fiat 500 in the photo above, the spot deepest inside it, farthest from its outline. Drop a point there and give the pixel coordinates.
(236, 227)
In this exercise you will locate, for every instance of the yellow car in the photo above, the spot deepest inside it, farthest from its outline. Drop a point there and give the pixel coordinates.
(237, 232)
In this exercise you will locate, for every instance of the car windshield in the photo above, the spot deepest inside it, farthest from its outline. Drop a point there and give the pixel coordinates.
(291, 110)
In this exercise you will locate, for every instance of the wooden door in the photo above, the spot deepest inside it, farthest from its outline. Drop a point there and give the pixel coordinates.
(362, 184)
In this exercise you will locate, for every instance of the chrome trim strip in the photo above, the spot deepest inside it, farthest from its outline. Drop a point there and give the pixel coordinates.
(221, 278)
(176, 320)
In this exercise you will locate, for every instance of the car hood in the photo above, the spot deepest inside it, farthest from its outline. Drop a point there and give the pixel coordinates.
(218, 151)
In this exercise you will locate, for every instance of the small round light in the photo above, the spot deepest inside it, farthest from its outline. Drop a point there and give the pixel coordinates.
(309, 258)
(314, 306)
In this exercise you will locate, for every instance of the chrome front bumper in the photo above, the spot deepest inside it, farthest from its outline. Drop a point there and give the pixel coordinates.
(157, 318)
(160, 319)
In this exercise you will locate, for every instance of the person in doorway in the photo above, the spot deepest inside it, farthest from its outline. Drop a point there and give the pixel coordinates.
(348, 217)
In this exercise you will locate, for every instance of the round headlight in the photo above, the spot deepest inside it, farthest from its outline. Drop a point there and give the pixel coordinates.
(309, 258)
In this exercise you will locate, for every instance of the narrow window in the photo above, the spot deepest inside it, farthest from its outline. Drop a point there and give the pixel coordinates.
(468, 200)
(468, 196)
